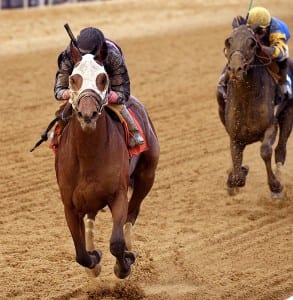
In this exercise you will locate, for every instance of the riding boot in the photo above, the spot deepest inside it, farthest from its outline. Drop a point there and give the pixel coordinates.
(284, 81)
(64, 112)
(135, 137)
(222, 94)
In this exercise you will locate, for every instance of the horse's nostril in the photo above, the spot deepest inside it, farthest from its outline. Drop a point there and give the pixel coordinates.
(87, 120)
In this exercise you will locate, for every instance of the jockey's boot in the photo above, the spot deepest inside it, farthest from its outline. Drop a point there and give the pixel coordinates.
(285, 80)
(64, 112)
(222, 95)
(135, 137)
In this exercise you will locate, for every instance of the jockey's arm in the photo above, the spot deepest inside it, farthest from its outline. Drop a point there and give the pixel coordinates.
(279, 44)
(65, 67)
(118, 75)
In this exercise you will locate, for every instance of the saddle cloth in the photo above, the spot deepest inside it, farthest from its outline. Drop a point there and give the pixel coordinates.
(115, 108)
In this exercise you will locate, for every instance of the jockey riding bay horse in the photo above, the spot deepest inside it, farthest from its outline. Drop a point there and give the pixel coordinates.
(94, 168)
(248, 113)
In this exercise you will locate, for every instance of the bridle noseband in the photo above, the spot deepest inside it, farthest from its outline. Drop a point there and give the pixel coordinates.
(249, 63)
(100, 104)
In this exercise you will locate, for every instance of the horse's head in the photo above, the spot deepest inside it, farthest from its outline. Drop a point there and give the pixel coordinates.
(240, 50)
(89, 84)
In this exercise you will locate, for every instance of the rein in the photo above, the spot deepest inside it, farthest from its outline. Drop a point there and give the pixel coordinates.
(260, 58)
(90, 94)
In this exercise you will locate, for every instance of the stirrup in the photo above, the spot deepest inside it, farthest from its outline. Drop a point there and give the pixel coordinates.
(135, 139)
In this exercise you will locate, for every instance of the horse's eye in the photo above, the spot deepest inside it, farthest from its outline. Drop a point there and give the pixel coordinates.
(251, 43)
(75, 82)
(228, 43)
(102, 81)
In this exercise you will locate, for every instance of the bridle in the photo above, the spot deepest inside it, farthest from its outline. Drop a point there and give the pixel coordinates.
(249, 62)
(100, 103)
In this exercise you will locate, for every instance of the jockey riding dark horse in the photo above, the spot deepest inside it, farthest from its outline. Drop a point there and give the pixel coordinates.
(272, 35)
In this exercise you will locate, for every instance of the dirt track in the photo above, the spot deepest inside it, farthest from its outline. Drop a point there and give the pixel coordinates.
(194, 241)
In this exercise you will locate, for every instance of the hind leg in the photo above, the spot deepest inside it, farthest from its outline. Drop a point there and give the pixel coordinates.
(124, 259)
(285, 121)
(143, 179)
(266, 154)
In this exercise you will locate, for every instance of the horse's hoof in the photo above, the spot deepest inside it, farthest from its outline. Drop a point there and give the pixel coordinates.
(96, 255)
(95, 272)
(130, 257)
(119, 273)
(245, 170)
(232, 191)
(129, 260)
(279, 195)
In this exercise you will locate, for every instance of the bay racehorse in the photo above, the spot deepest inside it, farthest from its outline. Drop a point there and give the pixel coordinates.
(94, 168)
(249, 113)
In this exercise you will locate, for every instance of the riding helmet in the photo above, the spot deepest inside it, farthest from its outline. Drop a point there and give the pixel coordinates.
(90, 40)
(259, 16)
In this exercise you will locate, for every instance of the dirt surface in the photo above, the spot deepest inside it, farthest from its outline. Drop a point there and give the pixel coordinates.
(194, 241)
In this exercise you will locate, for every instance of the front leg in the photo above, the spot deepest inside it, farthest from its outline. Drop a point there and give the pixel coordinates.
(124, 259)
(76, 226)
(90, 243)
(237, 176)
(266, 151)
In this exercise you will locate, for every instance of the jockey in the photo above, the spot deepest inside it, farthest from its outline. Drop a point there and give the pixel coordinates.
(273, 35)
(92, 41)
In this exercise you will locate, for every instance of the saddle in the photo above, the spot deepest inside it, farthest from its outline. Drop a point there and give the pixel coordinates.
(65, 113)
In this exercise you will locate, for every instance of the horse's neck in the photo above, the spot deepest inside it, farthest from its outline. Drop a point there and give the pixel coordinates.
(248, 86)
(88, 141)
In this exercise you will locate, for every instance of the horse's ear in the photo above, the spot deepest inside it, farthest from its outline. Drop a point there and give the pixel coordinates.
(228, 43)
(102, 54)
(75, 54)
(227, 46)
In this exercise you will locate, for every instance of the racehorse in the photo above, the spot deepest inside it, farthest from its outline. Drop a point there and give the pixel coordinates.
(94, 168)
(249, 110)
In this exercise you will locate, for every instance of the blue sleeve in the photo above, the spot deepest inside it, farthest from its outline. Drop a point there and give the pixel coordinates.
(278, 25)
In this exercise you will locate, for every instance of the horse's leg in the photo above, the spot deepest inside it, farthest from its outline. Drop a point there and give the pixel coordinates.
(237, 176)
(143, 178)
(76, 226)
(90, 245)
(124, 259)
(285, 121)
(221, 104)
(266, 151)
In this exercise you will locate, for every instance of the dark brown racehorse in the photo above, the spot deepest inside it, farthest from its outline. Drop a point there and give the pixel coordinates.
(249, 111)
(94, 170)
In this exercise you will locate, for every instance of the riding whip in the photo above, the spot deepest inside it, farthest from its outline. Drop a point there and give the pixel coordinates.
(44, 136)
(72, 37)
(249, 7)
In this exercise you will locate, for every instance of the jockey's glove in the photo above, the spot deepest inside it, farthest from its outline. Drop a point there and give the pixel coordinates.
(66, 95)
(113, 97)
(269, 51)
